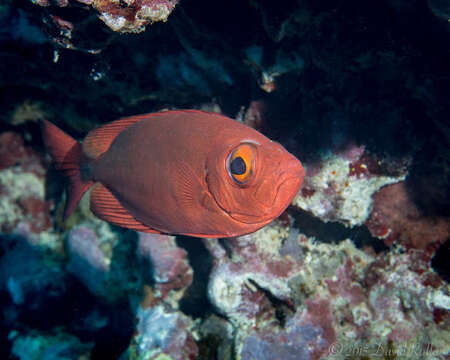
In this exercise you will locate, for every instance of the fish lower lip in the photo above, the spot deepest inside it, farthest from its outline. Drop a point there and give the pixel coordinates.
(268, 214)
(287, 179)
(292, 180)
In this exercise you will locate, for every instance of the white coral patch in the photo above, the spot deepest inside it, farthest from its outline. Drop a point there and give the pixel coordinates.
(339, 196)
(14, 186)
(439, 299)
(154, 13)
(115, 23)
(225, 290)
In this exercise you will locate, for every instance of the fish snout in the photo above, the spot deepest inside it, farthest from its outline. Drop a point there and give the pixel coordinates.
(292, 179)
(295, 170)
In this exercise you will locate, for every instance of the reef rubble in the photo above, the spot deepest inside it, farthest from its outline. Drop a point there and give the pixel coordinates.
(295, 297)
(124, 17)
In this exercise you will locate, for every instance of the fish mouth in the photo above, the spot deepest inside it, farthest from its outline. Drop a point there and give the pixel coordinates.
(270, 210)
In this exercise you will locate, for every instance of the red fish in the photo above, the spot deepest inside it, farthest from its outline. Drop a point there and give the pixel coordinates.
(178, 172)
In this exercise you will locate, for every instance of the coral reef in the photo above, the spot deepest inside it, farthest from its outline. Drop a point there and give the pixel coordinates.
(395, 218)
(129, 16)
(236, 287)
(317, 308)
(162, 331)
(24, 209)
(135, 15)
(340, 186)
(162, 334)
(171, 273)
(87, 262)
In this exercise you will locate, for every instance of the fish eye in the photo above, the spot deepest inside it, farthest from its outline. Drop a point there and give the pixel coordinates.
(241, 163)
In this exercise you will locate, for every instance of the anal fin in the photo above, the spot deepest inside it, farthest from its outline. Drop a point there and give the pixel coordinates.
(106, 206)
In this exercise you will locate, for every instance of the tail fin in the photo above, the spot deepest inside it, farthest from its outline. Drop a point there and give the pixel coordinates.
(66, 153)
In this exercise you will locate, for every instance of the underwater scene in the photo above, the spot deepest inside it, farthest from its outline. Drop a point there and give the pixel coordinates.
(224, 180)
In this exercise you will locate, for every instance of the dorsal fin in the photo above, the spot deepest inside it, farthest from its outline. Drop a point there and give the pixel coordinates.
(106, 206)
(99, 140)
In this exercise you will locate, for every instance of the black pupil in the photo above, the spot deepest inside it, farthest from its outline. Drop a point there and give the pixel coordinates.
(237, 166)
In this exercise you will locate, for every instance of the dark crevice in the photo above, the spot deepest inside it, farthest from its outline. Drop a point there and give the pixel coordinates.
(195, 300)
(334, 232)
(440, 261)
(226, 246)
(283, 310)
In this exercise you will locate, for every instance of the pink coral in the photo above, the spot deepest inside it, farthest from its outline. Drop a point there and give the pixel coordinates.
(253, 279)
(170, 267)
(397, 292)
(346, 285)
(395, 218)
(133, 15)
(87, 261)
(308, 335)
(121, 16)
(300, 299)
(13, 152)
(24, 209)
(162, 331)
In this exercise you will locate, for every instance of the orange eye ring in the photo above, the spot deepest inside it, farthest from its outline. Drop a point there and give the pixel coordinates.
(241, 163)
